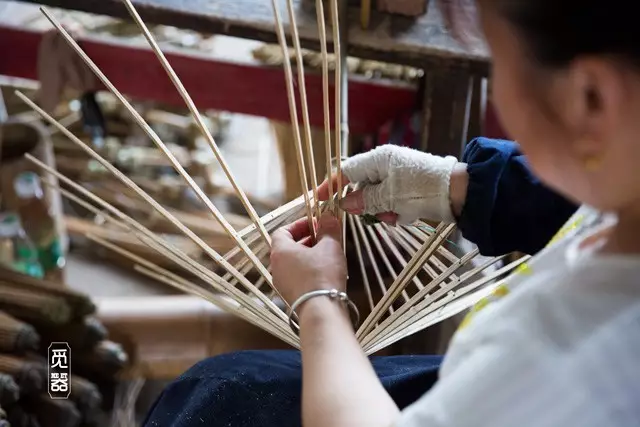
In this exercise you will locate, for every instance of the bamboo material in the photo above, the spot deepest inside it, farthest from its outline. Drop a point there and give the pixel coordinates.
(151, 239)
(335, 22)
(80, 227)
(16, 336)
(55, 413)
(9, 391)
(179, 258)
(198, 118)
(85, 395)
(25, 304)
(372, 259)
(322, 30)
(80, 304)
(178, 282)
(363, 270)
(294, 117)
(81, 335)
(105, 360)
(398, 285)
(154, 137)
(385, 258)
(208, 250)
(421, 295)
(427, 308)
(30, 376)
(302, 88)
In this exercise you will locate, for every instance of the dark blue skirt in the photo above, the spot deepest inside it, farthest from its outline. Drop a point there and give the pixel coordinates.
(263, 388)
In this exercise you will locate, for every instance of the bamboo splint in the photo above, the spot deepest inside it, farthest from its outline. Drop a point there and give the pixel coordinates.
(429, 283)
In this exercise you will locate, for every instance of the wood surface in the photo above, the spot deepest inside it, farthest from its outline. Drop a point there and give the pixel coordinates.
(214, 84)
(421, 41)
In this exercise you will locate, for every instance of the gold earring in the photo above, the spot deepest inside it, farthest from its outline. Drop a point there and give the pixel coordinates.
(592, 163)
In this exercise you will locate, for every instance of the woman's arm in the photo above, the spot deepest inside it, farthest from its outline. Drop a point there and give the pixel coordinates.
(507, 208)
(492, 193)
(340, 387)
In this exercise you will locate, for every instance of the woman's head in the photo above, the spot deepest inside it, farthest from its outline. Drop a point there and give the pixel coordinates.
(566, 83)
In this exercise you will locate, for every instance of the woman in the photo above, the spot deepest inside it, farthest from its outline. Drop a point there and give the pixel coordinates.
(498, 203)
(560, 349)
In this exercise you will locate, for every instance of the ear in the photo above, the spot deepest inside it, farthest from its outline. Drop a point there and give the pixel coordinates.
(596, 97)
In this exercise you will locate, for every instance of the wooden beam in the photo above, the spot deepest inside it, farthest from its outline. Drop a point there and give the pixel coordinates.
(420, 41)
(214, 84)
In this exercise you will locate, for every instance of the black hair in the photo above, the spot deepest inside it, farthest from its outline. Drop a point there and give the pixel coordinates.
(556, 32)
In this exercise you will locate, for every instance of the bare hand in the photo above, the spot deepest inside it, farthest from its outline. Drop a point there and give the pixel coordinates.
(298, 268)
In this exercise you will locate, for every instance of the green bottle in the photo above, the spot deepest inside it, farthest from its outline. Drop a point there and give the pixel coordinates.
(35, 214)
(17, 252)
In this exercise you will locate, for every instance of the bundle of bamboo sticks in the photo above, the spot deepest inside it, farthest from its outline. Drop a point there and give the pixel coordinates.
(31, 321)
(428, 281)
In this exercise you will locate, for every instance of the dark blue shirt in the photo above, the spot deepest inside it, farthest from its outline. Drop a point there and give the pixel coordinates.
(507, 208)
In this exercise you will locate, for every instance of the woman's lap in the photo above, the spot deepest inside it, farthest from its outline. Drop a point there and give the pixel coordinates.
(263, 388)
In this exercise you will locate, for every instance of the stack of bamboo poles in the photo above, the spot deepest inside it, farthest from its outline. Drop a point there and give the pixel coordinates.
(427, 283)
(34, 313)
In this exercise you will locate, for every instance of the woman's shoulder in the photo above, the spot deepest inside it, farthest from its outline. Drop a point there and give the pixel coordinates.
(572, 336)
(560, 308)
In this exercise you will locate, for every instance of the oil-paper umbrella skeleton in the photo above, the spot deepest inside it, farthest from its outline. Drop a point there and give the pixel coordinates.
(428, 288)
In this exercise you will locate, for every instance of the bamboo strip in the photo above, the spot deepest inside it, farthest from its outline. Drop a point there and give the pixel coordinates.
(154, 137)
(335, 22)
(363, 270)
(385, 258)
(400, 238)
(422, 235)
(422, 294)
(231, 306)
(406, 274)
(294, 116)
(17, 336)
(180, 258)
(295, 203)
(302, 89)
(372, 259)
(154, 245)
(224, 305)
(396, 253)
(207, 249)
(80, 304)
(34, 307)
(322, 30)
(442, 296)
(199, 121)
(189, 287)
(420, 320)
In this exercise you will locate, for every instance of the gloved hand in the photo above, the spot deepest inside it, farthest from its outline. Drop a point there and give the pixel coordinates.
(397, 180)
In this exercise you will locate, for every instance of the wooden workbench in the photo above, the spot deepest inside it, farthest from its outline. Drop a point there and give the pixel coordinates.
(454, 90)
(421, 42)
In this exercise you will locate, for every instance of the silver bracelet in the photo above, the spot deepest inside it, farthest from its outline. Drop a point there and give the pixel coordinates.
(333, 294)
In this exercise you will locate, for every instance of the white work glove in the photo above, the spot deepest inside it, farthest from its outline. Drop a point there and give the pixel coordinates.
(399, 180)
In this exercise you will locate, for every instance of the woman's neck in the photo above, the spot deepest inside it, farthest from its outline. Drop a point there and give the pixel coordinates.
(624, 237)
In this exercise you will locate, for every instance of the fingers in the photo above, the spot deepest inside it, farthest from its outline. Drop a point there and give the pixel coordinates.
(323, 189)
(353, 203)
(292, 233)
(329, 228)
(390, 218)
(372, 199)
